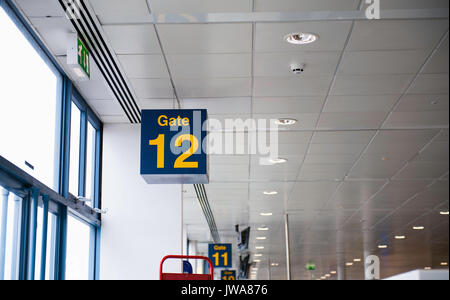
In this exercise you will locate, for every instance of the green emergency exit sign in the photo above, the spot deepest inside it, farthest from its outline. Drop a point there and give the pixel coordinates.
(83, 58)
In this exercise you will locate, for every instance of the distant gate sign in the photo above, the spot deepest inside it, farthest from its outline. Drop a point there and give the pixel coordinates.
(78, 58)
(220, 255)
(173, 146)
(229, 275)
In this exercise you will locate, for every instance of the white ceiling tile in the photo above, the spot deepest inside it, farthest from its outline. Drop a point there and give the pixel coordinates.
(430, 84)
(291, 86)
(210, 65)
(106, 107)
(396, 34)
(343, 137)
(418, 119)
(144, 66)
(436, 151)
(305, 121)
(324, 171)
(42, 8)
(119, 119)
(279, 64)
(270, 36)
(219, 106)
(443, 136)
(213, 87)
(206, 38)
(287, 105)
(94, 89)
(153, 88)
(416, 169)
(119, 11)
(382, 62)
(352, 120)
(351, 194)
(306, 195)
(371, 84)
(156, 103)
(360, 103)
(200, 6)
(141, 39)
(417, 103)
(439, 61)
(331, 158)
(305, 5)
(375, 168)
(289, 137)
(336, 148)
(404, 136)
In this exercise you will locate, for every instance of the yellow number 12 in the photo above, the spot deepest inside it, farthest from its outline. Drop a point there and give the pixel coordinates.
(180, 162)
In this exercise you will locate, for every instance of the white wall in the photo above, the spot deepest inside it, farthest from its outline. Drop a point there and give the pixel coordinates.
(144, 222)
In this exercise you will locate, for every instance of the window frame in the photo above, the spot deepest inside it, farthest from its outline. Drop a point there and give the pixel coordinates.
(59, 202)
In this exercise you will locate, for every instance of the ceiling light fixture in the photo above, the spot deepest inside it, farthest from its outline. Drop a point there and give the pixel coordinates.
(263, 228)
(259, 248)
(444, 213)
(357, 260)
(266, 214)
(257, 261)
(301, 38)
(382, 246)
(274, 264)
(276, 161)
(286, 122)
(349, 264)
(400, 237)
(427, 268)
(270, 193)
(261, 238)
(327, 275)
(418, 227)
(333, 272)
(444, 264)
(258, 255)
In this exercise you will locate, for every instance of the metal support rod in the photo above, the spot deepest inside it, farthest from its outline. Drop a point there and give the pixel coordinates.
(3, 218)
(288, 250)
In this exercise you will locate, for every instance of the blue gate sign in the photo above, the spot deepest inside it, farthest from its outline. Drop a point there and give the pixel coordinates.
(173, 146)
(229, 275)
(220, 255)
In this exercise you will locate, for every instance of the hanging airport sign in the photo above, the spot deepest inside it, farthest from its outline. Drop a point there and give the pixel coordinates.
(173, 146)
(228, 275)
(78, 58)
(220, 255)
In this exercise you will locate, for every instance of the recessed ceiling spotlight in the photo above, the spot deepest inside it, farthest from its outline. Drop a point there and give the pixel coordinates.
(286, 122)
(266, 214)
(427, 268)
(257, 261)
(274, 264)
(270, 193)
(258, 255)
(254, 269)
(327, 275)
(301, 38)
(323, 278)
(382, 246)
(261, 238)
(357, 260)
(263, 228)
(333, 272)
(400, 237)
(259, 247)
(276, 161)
(349, 264)
(418, 227)
(444, 264)
(444, 213)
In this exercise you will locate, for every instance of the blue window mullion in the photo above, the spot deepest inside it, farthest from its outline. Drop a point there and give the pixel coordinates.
(83, 150)
(32, 233)
(45, 200)
(24, 241)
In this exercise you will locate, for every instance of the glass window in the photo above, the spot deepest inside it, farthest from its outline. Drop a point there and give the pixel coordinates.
(51, 247)
(10, 215)
(90, 163)
(74, 150)
(37, 265)
(78, 241)
(28, 101)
